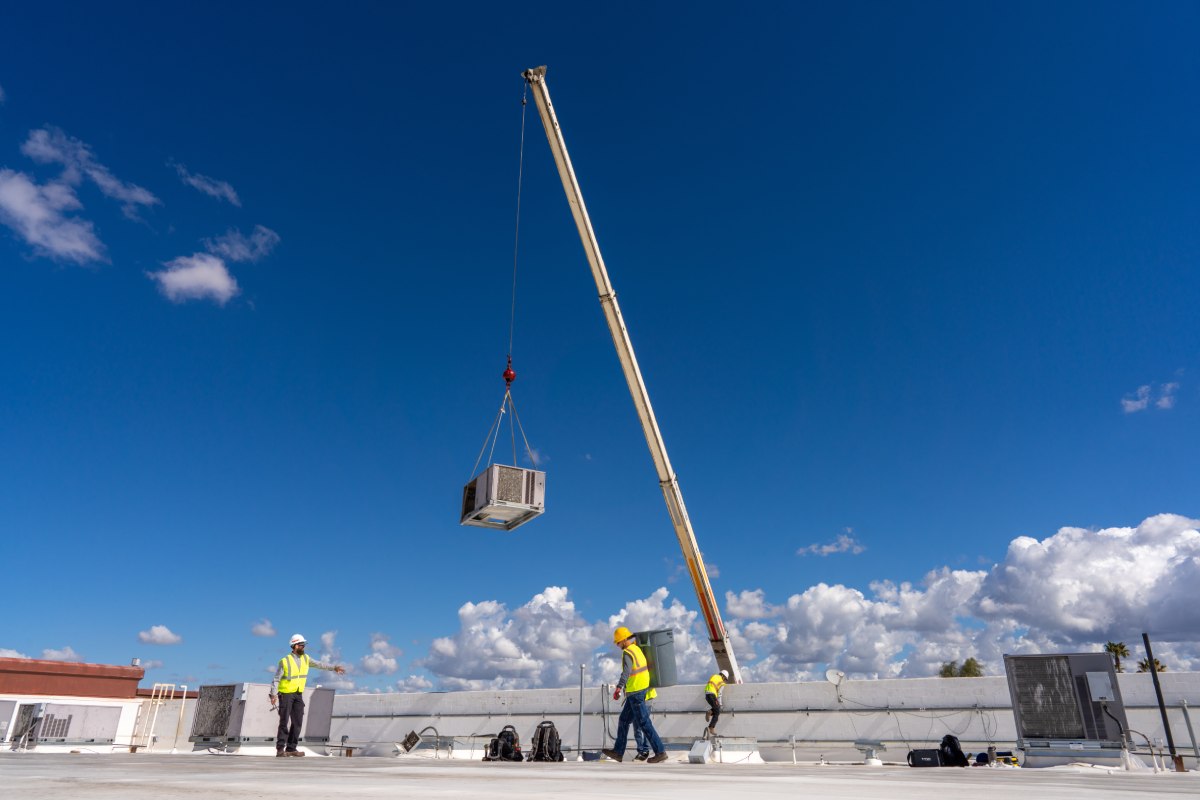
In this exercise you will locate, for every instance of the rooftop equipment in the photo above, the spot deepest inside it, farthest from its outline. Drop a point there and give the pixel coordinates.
(504, 497)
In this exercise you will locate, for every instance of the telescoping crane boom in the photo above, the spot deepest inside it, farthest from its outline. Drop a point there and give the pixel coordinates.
(633, 376)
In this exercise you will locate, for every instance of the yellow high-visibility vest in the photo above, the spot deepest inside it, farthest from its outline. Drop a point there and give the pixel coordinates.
(639, 673)
(715, 684)
(295, 672)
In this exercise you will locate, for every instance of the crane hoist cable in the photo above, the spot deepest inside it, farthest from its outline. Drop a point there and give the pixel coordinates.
(509, 375)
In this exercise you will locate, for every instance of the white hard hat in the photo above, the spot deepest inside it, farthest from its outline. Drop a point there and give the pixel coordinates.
(298, 639)
(725, 674)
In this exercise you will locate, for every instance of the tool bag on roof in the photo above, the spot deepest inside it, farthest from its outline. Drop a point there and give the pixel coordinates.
(547, 745)
(952, 753)
(504, 746)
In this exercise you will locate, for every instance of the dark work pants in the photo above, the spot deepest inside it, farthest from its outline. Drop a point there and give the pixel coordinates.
(291, 709)
(715, 705)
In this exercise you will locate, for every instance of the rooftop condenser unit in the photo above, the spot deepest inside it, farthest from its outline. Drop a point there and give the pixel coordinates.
(504, 497)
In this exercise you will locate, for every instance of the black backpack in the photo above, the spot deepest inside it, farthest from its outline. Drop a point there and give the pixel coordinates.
(952, 754)
(504, 746)
(547, 746)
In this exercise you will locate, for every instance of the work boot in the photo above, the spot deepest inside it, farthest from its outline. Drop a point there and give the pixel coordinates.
(656, 758)
(613, 754)
(712, 731)
(280, 753)
(294, 753)
(641, 756)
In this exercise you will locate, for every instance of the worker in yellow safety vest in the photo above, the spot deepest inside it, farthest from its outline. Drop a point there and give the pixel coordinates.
(635, 681)
(288, 687)
(712, 695)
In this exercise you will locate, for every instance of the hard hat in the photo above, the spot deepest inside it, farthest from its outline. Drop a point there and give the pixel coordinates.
(298, 639)
(725, 674)
(621, 634)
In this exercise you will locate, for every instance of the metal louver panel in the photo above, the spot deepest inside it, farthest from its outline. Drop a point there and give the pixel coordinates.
(511, 488)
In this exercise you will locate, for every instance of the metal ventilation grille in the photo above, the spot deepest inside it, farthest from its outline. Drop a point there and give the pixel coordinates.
(1046, 700)
(511, 485)
(212, 711)
(53, 727)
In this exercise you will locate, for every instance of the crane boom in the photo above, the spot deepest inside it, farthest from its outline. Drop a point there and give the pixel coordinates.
(633, 376)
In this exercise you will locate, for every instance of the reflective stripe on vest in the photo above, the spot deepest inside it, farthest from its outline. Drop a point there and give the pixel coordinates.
(639, 673)
(295, 672)
(715, 684)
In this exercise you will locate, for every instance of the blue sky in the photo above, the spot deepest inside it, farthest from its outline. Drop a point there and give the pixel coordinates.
(913, 290)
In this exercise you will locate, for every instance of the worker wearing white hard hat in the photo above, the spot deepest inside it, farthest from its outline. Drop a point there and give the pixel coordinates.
(288, 688)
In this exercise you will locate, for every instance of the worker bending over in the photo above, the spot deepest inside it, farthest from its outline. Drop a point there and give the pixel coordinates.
(712, 694)
(635, 680)
(290, 676)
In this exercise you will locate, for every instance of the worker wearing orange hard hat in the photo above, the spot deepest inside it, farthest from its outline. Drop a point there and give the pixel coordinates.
(635, 681)
(288, 687)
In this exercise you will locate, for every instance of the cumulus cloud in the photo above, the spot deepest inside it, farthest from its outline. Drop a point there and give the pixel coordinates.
(200, 276)
(6, 653)
(36, 212)
(153, 663)
(1166, 398)
(263, 628)
(159, 634)
(1073, 590)
(1139, 401)
(65, 654)
(212, 187)
(414, 683)
(539, 644)
(382, 658)
(234, 245)
(52, 146)
(330, 652)
(845, 543)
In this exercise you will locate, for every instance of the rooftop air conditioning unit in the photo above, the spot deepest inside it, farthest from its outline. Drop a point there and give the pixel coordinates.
(504, 497)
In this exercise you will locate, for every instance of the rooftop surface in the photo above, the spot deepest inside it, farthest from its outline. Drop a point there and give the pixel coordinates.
(37, 776)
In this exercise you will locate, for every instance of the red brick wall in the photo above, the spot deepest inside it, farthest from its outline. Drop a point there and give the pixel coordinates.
(32, 676)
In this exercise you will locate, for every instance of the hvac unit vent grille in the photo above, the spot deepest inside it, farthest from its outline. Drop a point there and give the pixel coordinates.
(511, 485)
(55, 727)
(1046, 699)
(212, 711)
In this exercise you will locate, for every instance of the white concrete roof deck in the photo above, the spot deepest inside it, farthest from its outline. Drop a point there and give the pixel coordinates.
(41, 776)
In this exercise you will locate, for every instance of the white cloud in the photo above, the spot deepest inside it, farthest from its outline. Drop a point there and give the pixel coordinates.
(1074, 590)
(35, 212)
(748, 604)
(53, 146)
(1166, 399)
(330, 652)
(263, 628)
(196, 277)
(1163, 400)
(6, 653)
(382, 658)
(234, 245)
(66, 654)
(1139, 402)
(153, 663)
(414, 683)
(159, 634)
(212, 187)
(540, 644)
(845, 543)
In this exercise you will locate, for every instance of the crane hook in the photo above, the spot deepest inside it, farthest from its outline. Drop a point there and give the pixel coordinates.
(509, 376)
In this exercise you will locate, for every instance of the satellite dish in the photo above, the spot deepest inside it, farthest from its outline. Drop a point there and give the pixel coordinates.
(835, 676)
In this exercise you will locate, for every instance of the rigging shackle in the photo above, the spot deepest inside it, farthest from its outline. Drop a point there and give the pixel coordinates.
(509, 376)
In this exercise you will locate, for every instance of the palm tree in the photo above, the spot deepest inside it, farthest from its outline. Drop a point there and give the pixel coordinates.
(1117, 650)
(1144, 666)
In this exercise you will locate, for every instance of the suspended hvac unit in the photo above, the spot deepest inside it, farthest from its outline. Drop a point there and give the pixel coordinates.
(1067, 707)
(504, 497)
